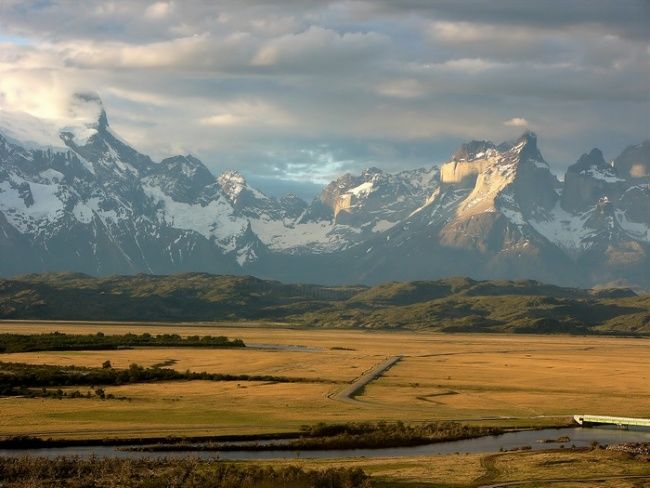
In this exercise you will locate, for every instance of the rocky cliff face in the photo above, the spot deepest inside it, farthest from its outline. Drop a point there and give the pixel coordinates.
(500, 212)
(634, 162)
(589, 180)
(80, 198)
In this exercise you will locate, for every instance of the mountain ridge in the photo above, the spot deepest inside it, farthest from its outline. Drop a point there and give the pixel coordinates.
(447, 305)
(93, 203)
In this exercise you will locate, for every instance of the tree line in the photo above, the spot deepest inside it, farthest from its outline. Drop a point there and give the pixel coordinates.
(57, 341)
(16, 378)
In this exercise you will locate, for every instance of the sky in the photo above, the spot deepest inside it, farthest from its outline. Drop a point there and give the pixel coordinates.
(294, 93)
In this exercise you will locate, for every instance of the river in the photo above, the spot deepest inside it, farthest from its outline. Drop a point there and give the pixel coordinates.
(579, 437)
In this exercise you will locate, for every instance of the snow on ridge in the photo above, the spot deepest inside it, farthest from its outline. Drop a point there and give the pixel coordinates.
(636, 230)
(233, 184)
(27, 216)
(321, 236)
(245, 255)
(566, 230)
(599, 174)
(79, 134)
(383, 225)
(363, 189)
(30, 132)
(51, 175)
(214, 220)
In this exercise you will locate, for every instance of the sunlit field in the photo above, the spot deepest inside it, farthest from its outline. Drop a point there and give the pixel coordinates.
(493, 379)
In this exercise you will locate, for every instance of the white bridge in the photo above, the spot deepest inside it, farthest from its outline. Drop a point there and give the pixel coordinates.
(620, 421)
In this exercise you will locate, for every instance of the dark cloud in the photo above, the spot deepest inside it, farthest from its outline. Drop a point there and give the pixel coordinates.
(628, 18)
(296, 91)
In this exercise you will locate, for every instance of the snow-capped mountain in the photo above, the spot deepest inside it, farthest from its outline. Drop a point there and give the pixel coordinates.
(75, 196)
(80, 197)
(500, 213)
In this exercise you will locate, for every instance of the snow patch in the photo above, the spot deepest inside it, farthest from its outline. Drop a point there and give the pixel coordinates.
(47, 207)
(636, 230)
(321, 236)
(566, 230)
(362, 190)
(601, 175)
(214, 220)
(51, 175)
(383, 225)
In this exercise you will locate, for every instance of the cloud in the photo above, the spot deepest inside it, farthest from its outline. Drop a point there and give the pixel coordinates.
(158, 10)
(516, 122)
(318, 49)
(304, 90)
(247, 113)
(405, 88)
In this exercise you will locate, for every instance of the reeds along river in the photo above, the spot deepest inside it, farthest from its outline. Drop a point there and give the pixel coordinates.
(535, 440)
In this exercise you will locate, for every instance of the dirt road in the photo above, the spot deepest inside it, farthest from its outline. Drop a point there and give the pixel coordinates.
(348, 394)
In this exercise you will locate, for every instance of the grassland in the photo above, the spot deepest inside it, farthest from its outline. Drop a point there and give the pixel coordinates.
(484, 379)
(502, 380)
(594, 468)
(476, 470)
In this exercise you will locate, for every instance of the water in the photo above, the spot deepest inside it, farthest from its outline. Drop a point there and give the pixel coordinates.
(579, 436)
(282, 347)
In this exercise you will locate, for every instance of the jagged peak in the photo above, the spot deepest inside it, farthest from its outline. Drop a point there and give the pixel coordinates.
(525, 147)
(86, 118)
(233, 184)
(528, 137)
(232, 177)
(593, 158)
(88, 108)
(371, 172)
(188, 166)
(634, 161)
(472, 150)
(179, 158)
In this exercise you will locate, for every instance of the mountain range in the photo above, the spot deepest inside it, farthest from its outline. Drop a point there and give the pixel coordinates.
(80, 198)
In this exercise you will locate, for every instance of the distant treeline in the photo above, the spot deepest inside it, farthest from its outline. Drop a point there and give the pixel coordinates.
(180, 473)
(57, 341)
(15, 378)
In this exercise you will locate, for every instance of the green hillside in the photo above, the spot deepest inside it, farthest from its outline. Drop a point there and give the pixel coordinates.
(447, 305)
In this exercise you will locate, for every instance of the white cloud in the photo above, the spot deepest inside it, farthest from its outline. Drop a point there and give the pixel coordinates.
(318, 49)
(249, 83)
(405, 88)
(249, 114)
(516, 122)
(158, 10)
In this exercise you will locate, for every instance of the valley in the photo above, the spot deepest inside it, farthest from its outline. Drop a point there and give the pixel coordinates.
(324, 244)
(495, 380)
(484, 380)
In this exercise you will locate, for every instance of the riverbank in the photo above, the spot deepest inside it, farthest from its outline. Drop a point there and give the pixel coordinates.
(533, 440)
(551, 467)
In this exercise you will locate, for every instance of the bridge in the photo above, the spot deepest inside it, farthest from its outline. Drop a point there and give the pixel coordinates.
(602, 419)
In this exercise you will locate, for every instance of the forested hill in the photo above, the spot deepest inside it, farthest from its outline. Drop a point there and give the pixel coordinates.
(447, 305)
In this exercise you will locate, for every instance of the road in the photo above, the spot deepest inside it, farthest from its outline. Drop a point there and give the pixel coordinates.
(348, 394)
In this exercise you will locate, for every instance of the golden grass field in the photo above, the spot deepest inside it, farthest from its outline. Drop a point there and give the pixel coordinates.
(465, 470)
(532, 379)
(507, 380)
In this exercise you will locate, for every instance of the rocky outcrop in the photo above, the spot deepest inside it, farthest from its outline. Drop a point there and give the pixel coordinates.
(589, 180)
(634, 162)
